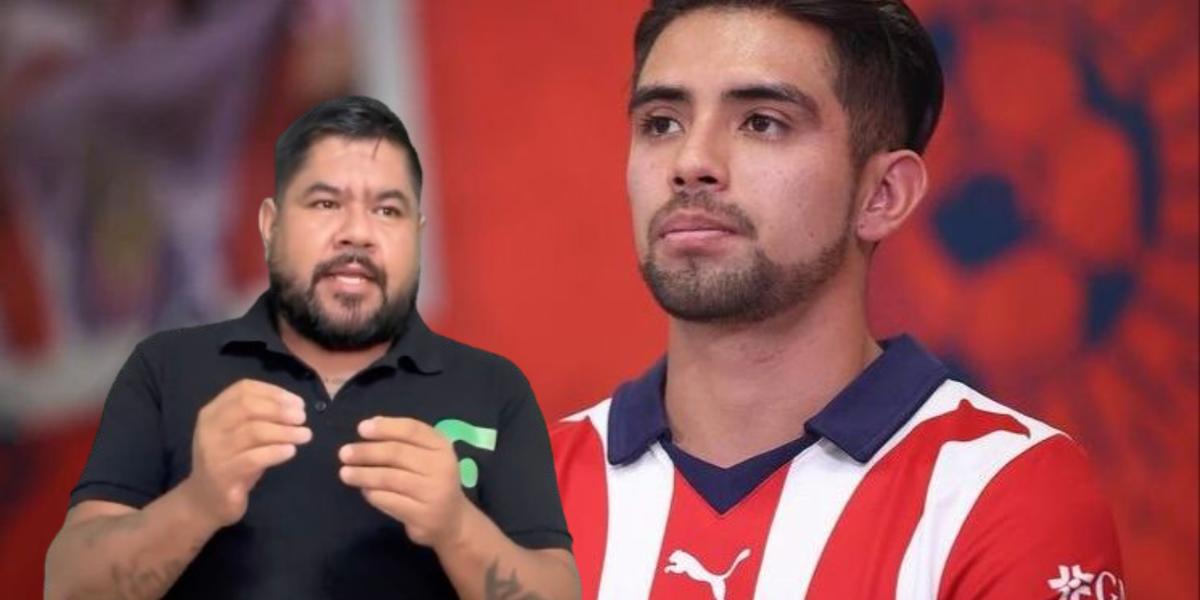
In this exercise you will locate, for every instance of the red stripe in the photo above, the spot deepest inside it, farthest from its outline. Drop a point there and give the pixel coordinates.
(579, 464)
(1043, 509)
(861, 560)
(715, 540)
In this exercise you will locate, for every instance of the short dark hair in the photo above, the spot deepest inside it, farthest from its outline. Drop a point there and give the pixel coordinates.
(354, 117)
(888, 76)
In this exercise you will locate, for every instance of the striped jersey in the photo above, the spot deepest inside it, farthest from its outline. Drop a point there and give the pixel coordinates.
(907, 485)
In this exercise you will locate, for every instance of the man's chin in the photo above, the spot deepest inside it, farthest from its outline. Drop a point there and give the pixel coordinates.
(698, 271)
(346, 325)
(728, 257)
(348, 322)
(342, 305)
(335, 333)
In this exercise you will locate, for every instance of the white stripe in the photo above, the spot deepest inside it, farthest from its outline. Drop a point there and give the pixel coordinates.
(818, 485)
(962, 472)
(813, 499)
(822, 479)
(639, 502)
(585, 413)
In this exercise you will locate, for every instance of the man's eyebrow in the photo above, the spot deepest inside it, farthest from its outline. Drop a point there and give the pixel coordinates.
(321, 187)
(388, 194)
(777, 92)
(394, 194)
(657, 93)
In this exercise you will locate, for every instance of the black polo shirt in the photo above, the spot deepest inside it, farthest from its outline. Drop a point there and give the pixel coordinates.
(305, 533)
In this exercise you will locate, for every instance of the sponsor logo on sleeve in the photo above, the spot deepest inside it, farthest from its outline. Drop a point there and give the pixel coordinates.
(1073, 583)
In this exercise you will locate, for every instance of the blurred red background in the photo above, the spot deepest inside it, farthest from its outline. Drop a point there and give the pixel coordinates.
(1055, 264)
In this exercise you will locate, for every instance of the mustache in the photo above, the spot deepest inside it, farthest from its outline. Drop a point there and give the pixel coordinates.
(704, 201)
(373, 270)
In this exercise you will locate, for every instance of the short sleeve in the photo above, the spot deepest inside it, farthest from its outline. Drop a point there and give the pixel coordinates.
(520, 492)
(1041, 529)
(126, 464)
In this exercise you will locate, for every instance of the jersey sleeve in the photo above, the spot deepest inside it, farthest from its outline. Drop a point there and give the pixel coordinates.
(580, 464)
(519, 492)
(1042, 528)
(126, 464)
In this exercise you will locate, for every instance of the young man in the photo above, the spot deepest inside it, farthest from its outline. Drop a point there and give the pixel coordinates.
(779, 450)
(327, 444)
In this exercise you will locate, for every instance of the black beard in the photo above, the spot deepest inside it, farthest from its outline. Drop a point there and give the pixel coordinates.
(298, 304)
(705, 293)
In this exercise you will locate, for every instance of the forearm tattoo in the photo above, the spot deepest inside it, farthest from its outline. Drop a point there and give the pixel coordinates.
(496, 587)
(133, 580)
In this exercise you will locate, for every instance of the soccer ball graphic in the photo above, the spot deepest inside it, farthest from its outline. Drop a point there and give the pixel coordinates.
(1055, 263)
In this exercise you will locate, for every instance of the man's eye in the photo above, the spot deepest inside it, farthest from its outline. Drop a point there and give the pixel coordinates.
(764, 124)
(389, 211)
(657, 126)
(324, 204)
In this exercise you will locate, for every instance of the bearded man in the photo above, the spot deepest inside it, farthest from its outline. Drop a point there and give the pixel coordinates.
(327, 444)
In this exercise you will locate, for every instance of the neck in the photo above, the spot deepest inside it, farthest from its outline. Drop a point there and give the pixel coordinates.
(737, 390)
(334, 367)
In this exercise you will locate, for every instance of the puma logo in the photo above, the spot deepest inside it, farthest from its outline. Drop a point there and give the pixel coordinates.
(682, 562)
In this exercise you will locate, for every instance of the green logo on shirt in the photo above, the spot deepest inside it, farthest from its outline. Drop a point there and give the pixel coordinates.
(480, 437)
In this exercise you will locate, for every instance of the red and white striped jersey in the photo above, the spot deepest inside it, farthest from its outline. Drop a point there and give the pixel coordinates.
(966, 498)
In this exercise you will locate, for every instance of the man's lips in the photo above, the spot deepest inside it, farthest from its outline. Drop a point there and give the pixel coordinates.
(352, 274)
(351, 280)
(694, 224)
(351, 271)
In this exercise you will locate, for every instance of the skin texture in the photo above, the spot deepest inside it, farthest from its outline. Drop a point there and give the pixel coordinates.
(782, 165)
(746, 204)
(108, 550)
(345, 236)
(351, 199)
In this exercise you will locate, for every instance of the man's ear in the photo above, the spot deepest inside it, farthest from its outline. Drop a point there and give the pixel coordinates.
(895, 184)
(268, 212)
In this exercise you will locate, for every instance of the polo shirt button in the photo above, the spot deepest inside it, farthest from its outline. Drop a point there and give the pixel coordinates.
(321, 405)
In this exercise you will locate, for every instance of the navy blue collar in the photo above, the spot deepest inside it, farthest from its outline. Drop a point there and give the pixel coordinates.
(859, 420)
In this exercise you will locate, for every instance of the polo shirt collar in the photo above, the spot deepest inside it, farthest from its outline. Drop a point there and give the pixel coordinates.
(416, 345)
(637, 417)
(859, 420)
